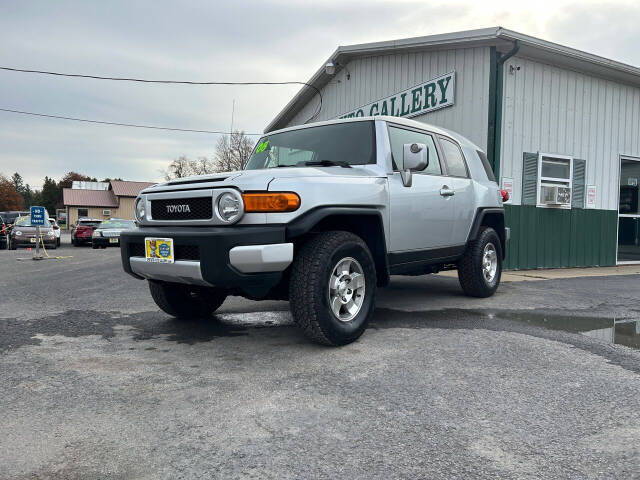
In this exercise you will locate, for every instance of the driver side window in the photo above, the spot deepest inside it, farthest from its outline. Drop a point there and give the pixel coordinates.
(399, 136)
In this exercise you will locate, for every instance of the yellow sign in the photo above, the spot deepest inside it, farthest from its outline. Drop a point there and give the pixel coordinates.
(159, 250)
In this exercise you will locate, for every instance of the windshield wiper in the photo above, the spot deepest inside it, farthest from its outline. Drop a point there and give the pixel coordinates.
(327, 163)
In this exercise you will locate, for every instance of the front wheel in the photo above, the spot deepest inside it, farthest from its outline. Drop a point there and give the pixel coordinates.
(332, 288)
(186, 301)
(480, 267)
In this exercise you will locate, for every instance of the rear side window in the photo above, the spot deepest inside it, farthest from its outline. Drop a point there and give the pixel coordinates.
(399, 136)
(485, 164)
(456, 165)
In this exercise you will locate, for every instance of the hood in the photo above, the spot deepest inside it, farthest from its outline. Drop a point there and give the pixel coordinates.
(259, 179)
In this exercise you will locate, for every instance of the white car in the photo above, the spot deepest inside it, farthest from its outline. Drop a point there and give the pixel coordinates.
(56, 230)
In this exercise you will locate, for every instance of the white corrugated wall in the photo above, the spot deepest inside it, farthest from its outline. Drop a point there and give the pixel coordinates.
(553, 110)
(376, 77)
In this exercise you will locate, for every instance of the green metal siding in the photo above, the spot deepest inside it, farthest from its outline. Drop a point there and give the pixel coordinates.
(556, 238)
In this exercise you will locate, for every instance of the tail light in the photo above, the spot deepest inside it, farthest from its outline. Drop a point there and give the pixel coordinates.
(505, 195)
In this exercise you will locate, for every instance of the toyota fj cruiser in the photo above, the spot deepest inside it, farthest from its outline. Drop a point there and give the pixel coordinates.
(322, 215)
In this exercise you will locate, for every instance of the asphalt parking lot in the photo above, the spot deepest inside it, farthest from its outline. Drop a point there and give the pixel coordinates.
(97, 383)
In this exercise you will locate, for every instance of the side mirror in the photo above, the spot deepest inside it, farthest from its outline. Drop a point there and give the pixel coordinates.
(415, 156)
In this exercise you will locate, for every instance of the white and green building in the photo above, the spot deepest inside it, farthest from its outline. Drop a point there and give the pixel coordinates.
(561, 128)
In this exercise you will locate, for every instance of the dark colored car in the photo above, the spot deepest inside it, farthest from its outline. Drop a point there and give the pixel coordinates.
(83, 230)
(23, 234)
(108, 232)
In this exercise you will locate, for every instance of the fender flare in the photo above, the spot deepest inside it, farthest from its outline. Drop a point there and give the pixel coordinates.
(478, 220)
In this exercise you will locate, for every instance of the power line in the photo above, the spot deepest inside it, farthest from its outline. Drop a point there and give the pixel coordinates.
(173, 82)
(153, 127)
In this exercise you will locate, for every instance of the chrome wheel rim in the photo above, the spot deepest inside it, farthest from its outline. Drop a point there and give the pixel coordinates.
(346, 289)
(489, 262)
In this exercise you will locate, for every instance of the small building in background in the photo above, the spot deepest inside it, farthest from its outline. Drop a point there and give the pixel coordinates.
(116, 200)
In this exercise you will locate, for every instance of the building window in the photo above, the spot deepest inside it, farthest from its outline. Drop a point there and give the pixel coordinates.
(83, 212)
(553, 181)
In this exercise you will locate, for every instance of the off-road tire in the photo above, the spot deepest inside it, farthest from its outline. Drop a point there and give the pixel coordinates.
(186, 301)
(470, 274)
(309, 287)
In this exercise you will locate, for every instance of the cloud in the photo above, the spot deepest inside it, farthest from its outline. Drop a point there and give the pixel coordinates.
(203, 40)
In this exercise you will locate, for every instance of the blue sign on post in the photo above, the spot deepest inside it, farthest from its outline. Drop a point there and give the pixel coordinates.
(38, 216)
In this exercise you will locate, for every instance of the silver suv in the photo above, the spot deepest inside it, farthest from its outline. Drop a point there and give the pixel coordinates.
(322, 215)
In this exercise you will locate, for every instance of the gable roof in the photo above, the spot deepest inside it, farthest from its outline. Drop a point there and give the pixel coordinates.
(122, 188)
(501, 38)
(88, 198)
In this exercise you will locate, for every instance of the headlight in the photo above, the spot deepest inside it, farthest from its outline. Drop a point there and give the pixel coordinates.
(50, 233)
(139, 209)
(17, 233)
(97, 233)
(229, 207)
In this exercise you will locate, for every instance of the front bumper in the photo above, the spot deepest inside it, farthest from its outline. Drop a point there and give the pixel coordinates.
(24, 241)
(105, 241)
(249, 259)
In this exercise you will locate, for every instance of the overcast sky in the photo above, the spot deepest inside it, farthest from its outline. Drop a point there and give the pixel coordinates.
(235, 40)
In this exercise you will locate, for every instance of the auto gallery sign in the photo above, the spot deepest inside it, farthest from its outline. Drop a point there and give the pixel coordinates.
(423, 98)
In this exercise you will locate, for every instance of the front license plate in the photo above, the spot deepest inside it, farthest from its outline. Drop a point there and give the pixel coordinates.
(158, 250)
(32, 240)
(113, 240)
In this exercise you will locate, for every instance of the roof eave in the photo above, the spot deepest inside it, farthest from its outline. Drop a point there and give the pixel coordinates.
(502, 38)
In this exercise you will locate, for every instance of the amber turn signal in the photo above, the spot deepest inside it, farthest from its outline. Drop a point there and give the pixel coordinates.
(271, 202)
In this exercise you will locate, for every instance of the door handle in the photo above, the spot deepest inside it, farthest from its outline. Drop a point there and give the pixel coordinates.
(445, 191)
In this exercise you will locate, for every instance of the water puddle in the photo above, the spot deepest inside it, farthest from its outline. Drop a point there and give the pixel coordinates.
(622, 331)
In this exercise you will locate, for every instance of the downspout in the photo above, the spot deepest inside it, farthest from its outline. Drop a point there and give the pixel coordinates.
(496, 80)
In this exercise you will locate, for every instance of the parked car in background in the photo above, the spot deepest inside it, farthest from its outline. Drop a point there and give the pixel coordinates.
(23, 234)
(108, 232)
(11, 215)
(3, 233)
(56, 230)
(83, 230)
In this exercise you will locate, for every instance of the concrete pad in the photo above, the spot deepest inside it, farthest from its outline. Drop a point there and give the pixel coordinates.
(558, 273)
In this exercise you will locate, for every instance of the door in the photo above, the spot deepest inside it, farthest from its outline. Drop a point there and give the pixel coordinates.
(420, 215)
(629, 211)
(459, 182)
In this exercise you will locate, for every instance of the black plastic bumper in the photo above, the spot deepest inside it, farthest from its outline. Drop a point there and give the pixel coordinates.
(212, 247)
(104, 242)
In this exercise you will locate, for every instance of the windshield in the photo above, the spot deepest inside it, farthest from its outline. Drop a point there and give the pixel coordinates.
(25, 222)
(117, 224)
(88, 223)
(350, 143)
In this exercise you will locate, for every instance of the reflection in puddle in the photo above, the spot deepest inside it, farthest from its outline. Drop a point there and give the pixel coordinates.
(619, 331)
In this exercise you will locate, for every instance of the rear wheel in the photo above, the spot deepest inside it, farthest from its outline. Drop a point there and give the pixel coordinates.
(186, 301)
(332, 288)
(480, 267)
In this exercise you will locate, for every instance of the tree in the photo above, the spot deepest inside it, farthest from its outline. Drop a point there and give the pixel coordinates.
(18, 183)
(233, 152)
(70, 177)
(50, 195)
(10, 198)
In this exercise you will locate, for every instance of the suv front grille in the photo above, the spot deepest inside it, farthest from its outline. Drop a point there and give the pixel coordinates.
(198, 208)
(180, 252)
